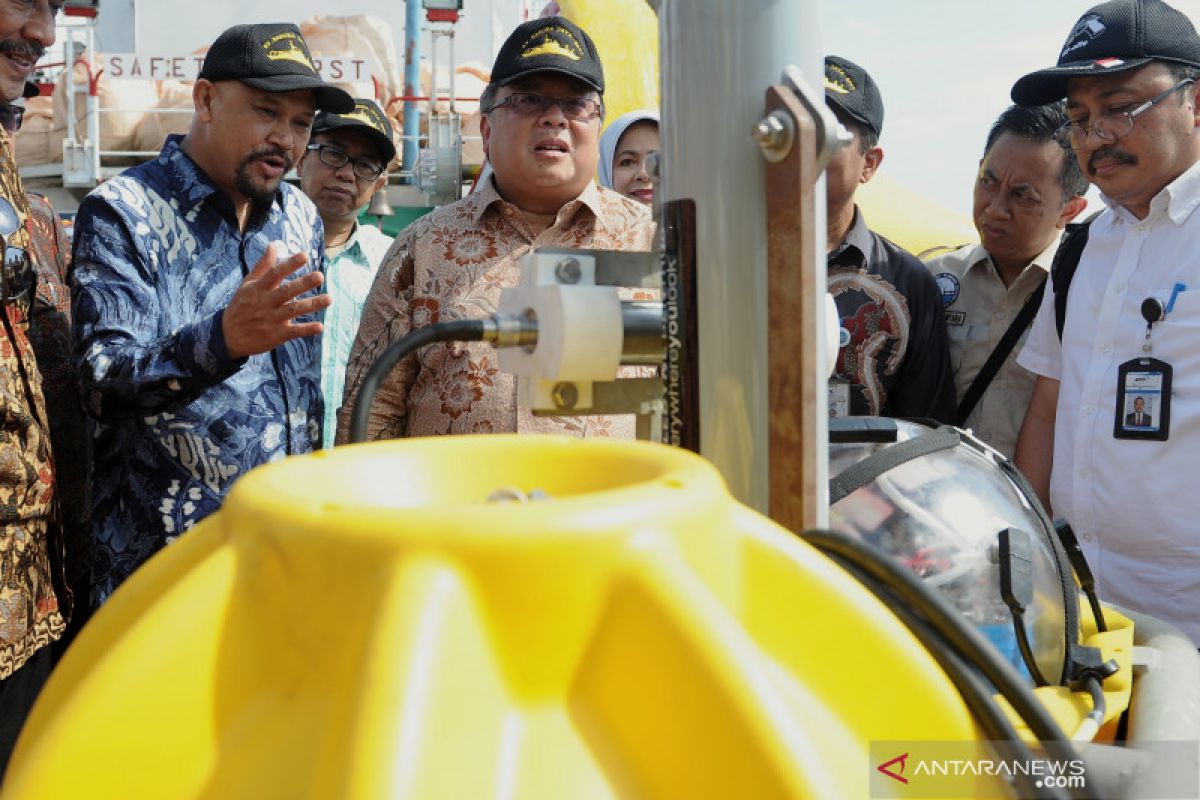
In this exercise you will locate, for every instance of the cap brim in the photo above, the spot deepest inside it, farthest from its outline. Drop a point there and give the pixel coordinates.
(381, 141)
(327, 96)
(854, 115)
(1050, 85)
(536, 70)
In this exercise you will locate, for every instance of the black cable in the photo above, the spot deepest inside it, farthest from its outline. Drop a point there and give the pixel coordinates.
(1027, 651)
(1099, 701)
(996, 725)
(461, 330)
(964, 638)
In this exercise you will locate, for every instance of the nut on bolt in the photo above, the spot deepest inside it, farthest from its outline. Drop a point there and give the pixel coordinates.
(568, 270)
(564, 395)
(775, 134)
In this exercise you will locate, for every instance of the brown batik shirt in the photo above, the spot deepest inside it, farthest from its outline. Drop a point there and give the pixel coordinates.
(29, 613)
(451, 264)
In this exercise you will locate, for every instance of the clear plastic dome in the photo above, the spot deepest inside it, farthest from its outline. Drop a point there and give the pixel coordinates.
(941, 515)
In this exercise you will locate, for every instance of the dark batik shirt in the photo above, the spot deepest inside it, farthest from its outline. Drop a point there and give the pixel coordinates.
(894, 351)
(158, 257)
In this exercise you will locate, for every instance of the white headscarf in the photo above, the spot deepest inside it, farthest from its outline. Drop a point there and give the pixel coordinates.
(612, 136)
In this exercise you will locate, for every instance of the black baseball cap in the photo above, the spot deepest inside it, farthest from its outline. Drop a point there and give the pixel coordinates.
(273, 57)
(1113, 37)
(367, 118)
(850, 89)
(549, 44)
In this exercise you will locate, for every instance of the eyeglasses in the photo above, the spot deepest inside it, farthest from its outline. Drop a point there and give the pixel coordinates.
(335, 158)
(17, 276)
(1112, 126)
(11, 117)
(526, 104)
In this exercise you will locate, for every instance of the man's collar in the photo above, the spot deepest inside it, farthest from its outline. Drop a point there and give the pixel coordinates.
(979, 256)
(858, 237)
(1179, 198)
(192, 185)
(485, 195)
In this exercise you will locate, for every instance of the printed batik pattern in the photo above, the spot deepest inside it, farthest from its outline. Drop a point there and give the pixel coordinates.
(30, 617)
(452, 264)
(158, 256)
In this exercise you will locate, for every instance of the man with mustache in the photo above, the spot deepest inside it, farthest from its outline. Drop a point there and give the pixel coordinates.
(1027, 189)
(542, 114)
(197, 304)
(32, 609)
(1130, 326)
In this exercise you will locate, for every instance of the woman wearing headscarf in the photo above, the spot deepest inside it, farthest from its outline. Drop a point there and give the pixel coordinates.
(624, 148)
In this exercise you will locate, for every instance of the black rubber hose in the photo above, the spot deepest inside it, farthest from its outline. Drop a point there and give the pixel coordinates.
(459, 330)
(996, 725)
(965, 639)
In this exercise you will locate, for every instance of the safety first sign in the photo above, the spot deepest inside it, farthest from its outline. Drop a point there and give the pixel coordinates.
(142, 66)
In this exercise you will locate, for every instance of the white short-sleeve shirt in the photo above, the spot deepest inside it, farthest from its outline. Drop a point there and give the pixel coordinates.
(1135, 504)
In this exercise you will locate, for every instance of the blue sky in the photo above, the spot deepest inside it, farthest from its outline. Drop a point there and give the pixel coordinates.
(945, 68)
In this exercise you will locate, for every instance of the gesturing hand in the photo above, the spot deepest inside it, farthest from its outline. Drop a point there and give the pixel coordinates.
(259, 317)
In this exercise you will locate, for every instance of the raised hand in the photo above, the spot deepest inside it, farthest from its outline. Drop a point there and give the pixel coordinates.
(259, 317)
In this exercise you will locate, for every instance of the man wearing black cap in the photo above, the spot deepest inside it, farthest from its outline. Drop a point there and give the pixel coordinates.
(196, 302)
(542, 114)
(893, 359)
(344, 165)
(1128, 326)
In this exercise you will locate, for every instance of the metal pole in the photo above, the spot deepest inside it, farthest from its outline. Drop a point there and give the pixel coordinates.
(412, 84)
(718, 58)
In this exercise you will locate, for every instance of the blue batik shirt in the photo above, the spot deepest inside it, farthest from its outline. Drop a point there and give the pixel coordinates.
(158, 257)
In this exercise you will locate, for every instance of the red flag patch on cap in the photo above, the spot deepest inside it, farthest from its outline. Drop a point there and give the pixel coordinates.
(1108, 62)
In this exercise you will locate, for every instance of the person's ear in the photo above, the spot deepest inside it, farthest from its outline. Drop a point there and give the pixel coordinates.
(1073, 208)
(204, 94)
(871, 161)
(485, 132)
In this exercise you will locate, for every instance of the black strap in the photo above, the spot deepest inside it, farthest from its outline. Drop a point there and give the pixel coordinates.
(995, 360)
(1063, 268)
(861, 473)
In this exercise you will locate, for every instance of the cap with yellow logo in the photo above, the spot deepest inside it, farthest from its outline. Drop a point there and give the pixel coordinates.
(848, 88)
(366, 118)
(549, 44)
(272, 57)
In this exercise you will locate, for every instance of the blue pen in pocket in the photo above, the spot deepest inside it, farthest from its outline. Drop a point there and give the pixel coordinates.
(1179, 287)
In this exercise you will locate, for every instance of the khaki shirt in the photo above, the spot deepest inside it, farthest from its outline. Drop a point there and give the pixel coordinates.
(978, 310)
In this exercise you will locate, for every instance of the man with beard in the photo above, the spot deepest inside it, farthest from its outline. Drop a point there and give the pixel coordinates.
(1129, 324)
(196, 302)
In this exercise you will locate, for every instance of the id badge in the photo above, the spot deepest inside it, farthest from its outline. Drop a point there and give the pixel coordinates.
(839, 397)
(1143, 400)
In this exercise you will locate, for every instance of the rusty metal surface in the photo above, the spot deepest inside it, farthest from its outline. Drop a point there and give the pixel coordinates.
(794, 493)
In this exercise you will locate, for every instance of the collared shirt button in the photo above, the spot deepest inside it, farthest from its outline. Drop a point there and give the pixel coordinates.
(1088, 409)
(1087, 537)
(1120, 287)
(1106, 349)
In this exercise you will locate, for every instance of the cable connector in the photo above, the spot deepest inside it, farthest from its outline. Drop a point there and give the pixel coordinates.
(511, 330)
(1085, 662)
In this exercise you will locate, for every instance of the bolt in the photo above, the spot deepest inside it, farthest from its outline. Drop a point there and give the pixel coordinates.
(565, 395)
(774, 134)
(568, 270)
